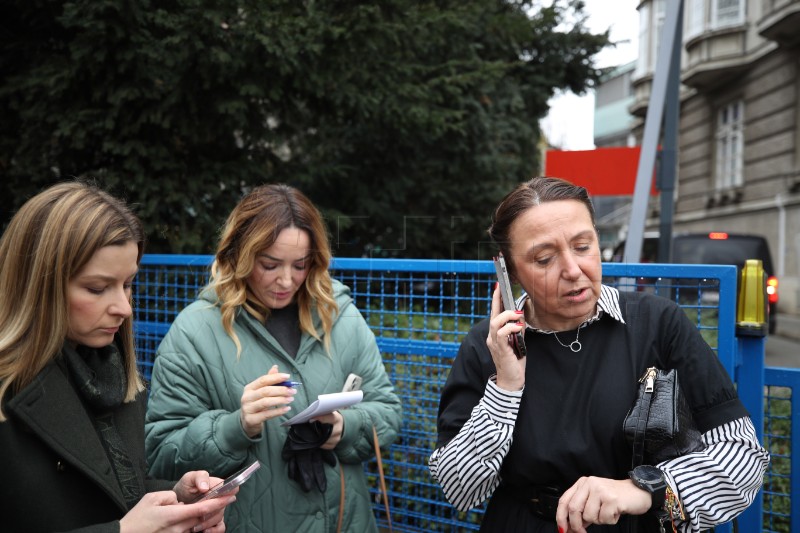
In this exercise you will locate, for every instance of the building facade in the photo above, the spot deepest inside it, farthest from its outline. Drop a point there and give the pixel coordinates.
(613, 123)
(739, 129)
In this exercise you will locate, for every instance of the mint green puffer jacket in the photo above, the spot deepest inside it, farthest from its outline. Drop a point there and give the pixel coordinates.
(193, 414)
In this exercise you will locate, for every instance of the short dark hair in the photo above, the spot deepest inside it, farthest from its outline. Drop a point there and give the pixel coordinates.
(530, 194)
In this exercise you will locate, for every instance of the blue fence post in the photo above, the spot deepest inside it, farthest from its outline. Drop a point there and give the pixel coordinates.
(790, 379)
(751, 330)
(751, 391)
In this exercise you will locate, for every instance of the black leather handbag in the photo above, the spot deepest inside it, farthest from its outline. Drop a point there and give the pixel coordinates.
(660, 426)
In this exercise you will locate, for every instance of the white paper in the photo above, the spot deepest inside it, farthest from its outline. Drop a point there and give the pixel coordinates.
(326, 403)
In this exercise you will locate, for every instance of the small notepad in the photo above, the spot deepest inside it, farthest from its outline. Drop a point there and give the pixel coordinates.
(326, 403)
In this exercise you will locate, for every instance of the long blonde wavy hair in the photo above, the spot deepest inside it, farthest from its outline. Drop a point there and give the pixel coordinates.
(252, 227)
(49, 240)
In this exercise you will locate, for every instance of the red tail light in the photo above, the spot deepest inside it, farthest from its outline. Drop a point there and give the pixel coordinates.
(718, 235)
(772, 289)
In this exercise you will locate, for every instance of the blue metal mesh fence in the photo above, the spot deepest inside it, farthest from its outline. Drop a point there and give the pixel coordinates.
(782, 420)
(419, 311)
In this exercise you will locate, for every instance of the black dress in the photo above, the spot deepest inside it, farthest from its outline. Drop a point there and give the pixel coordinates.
(570, 417)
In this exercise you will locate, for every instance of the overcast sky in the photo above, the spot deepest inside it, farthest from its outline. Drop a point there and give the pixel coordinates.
(571, 119)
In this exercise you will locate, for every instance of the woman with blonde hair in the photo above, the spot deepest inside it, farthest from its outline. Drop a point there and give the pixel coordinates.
(72, 411)
(270, 314)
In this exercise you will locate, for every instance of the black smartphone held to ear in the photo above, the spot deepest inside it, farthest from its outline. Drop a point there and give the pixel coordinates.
(516, 340)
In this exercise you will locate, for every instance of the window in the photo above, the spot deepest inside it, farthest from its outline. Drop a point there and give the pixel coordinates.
(642, 67)
(651, 21)
(730, 142)
(722, 14)
(695, 17)
(699, 16)
(727, 13)
(659, 14)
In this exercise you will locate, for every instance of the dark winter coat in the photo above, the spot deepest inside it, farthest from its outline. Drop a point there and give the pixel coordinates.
(56, 475)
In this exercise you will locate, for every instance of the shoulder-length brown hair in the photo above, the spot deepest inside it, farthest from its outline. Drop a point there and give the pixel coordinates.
(253, 226)
(529, 194)
(49, 240)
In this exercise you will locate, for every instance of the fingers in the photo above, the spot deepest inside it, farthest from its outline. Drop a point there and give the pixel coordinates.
(337, 421)
(160, 511)
(504, 323)
(497, 301)
(510, 370)
(164, 497)
(258, 404)
(209, 512)
(219, 528)
(199, 480)
(213, 522)
(497, 307)
(569, 515)
(264, 399)
(191, 485)
(271, 378)
(253, 416)
(266, 391)
(592, 500)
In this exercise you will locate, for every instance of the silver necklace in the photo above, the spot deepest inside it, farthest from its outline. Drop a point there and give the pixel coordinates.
(575, 345)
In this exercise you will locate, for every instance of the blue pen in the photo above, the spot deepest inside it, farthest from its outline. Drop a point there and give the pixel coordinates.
(292, 384)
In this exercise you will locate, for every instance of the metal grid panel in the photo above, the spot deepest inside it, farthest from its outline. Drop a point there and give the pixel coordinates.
(782, 420)
(164, 285)
(419, 311)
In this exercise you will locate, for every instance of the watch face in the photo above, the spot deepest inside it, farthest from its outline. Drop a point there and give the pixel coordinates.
(648, 474)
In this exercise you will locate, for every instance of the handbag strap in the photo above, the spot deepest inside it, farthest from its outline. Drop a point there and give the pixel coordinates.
(385, 494)
(341, 499)
(382, 478)
(641, 427)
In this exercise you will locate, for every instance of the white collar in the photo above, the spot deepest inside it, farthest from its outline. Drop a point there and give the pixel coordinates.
(607, 303)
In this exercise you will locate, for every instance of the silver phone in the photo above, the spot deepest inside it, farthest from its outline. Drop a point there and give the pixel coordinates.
(516, 340)
(224, 487)
(353, 382)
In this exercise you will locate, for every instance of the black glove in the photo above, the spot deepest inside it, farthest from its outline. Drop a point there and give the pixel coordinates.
(304, 456)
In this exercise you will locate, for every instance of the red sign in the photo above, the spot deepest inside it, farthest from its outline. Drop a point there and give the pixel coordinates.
(603, 171)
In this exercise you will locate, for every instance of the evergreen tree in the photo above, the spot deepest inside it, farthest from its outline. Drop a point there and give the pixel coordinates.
(405, 121)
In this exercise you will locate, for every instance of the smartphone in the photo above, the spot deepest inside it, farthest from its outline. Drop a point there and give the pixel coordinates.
(234, 480)
(516, 340)
(353, 382)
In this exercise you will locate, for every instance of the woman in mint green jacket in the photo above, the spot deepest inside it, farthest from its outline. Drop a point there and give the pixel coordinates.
(270, 314)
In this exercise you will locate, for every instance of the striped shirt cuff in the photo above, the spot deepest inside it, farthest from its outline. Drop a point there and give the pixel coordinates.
(468, 467)
(501, 405)
(716, 484)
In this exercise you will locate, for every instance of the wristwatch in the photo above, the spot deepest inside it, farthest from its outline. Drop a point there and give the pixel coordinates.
(652, 480)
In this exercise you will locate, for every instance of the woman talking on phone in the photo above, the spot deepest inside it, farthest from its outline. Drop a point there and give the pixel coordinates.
(541, 436)
(271, 314)
(73, 404)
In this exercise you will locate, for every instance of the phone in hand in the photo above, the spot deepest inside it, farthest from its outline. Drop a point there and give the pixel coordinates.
(353, 382)
(231, 482)
(516, 340)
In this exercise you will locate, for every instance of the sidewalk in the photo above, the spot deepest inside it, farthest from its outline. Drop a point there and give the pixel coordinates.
(788, 326)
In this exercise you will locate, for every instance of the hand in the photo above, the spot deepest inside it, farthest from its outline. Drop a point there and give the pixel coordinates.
(337, 421)
(510, 370)
(597, 500)
(194, 484)
(160, 511)
(264, 399)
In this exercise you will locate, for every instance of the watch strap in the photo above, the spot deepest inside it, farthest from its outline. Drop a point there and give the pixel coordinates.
(657, 490)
